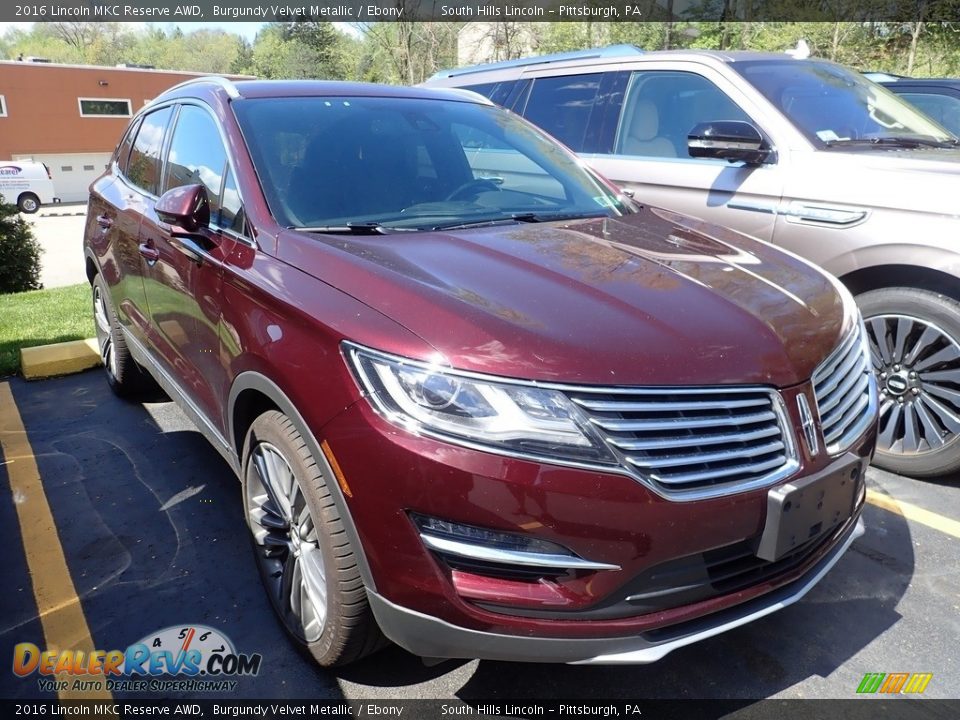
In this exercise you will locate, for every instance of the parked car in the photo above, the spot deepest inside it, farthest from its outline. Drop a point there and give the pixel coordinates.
(478, 401)
(26, 183)
(937, 98)
(803, 153)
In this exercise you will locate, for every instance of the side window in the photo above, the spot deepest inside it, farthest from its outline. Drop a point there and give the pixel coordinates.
(123, 151)
(231, 211)
(945, 109)
(661, 108)
(143, 167)
(562, 106)
(496, 92)
(196, 155)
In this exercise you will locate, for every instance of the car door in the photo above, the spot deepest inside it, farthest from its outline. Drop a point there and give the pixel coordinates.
(117, 203)
(183, 279)
(647, 152)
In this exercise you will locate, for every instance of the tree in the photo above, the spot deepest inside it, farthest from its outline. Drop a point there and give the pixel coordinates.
(19, 252)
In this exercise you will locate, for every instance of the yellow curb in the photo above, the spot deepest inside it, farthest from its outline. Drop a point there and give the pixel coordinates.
(59, 359)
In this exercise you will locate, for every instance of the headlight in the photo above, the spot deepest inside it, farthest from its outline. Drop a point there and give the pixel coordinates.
(512, 418)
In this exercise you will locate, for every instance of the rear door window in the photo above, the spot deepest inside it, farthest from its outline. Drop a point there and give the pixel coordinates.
(143, 168)
(563, 105)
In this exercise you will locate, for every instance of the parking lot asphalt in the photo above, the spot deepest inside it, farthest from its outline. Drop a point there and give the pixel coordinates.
(149, 520)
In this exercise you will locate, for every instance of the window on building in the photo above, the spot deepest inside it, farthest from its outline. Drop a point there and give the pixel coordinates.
(66, 168)
(87, 168)
(104, 107)
(196, 155)
(143, 168)
(3, 106)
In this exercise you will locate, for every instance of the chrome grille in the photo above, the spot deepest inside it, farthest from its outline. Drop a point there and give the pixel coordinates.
(694, 442)
(842, 389)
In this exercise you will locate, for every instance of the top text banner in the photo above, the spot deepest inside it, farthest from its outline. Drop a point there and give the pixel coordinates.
(164, 11)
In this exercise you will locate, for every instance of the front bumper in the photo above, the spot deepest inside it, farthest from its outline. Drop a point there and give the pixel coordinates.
(432, 637)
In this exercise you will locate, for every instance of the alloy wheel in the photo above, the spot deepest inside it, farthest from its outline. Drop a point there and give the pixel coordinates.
(287, 544)
(918, 372)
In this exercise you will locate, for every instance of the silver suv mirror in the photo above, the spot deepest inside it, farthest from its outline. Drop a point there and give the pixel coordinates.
(732, 140)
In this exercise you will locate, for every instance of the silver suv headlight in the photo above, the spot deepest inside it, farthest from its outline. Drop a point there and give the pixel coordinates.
(505, 416)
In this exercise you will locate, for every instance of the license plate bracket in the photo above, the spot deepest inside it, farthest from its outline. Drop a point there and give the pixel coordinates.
(802, 510)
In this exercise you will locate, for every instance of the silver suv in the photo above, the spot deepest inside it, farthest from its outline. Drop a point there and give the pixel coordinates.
(803, 153)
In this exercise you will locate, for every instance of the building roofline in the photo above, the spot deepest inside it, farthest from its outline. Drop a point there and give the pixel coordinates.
(112, 68)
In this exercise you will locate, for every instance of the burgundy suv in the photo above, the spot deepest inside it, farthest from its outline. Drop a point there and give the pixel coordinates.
(480, 403)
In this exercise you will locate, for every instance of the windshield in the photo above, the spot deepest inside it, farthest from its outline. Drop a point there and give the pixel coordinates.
(833, 106)
(375, 164)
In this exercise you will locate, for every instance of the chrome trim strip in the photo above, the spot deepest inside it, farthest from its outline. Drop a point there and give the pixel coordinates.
(808, 426)
(614, 424)
(667, 461)
(511, 557)
(693, 440)
(614, 406)
(689, 477)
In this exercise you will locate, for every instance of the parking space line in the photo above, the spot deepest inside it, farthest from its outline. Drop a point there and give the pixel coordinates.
(915, 513)
(59, 608)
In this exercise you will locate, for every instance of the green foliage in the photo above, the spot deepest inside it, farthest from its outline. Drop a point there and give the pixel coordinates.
(42, 317)
(19, 252)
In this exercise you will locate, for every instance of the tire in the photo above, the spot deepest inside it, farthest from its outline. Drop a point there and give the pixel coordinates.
(125, 377)
(28, 203)
(914, 339)
(310, 573)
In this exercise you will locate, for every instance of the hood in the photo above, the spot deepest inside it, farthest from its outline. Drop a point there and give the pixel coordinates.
(654, 298)
(925, 180)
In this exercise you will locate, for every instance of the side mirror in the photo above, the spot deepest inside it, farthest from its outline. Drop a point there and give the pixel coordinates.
(731, 140)
(186, 208)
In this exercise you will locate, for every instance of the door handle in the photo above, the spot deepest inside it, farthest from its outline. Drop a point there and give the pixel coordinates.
(105, 222)
(149, 252)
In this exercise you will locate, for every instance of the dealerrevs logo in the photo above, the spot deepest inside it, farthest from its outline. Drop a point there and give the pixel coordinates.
(205, 657)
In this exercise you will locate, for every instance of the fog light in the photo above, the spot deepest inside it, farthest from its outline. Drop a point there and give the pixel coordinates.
(501, 549)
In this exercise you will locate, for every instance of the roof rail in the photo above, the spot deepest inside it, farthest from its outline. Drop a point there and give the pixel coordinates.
(610, 51)
(223, 82)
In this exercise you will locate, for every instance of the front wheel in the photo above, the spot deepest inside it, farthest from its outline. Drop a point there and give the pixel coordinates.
(28, 203)
(307, 564)
(914, 338)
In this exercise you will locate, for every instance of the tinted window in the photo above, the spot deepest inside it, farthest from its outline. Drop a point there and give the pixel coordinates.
(143, 169)
(662, 107)
(123, 152)
(98, 108)
(196, 155)
(832, 104)
(562, 106)
(942, 108)
(497, 92)
(231, 211)
(411, 164)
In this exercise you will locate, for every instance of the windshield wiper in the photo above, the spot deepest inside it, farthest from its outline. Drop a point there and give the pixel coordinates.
(905, 141)
(520, 217)
(354, 228)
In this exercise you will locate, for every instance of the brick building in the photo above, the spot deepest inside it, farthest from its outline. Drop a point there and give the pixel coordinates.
(71, 116)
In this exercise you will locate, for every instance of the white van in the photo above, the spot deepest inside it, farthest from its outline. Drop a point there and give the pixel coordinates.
(26, 183)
